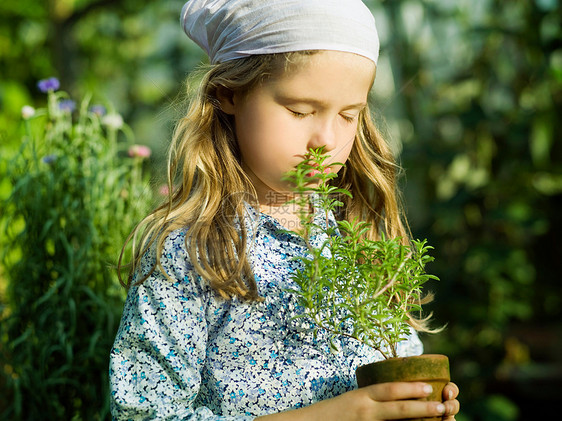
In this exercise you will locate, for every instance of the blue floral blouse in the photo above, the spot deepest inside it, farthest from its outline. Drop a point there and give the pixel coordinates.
(184, 353)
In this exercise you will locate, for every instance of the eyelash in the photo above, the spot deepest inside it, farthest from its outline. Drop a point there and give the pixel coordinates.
(299, 115)
(304, 115)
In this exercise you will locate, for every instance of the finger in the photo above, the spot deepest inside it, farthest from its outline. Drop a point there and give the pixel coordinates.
(450, 391)
(384, 392)
(398, 410)
(452, 407)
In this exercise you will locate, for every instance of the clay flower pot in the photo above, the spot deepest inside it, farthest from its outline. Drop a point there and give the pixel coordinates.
(432, 369)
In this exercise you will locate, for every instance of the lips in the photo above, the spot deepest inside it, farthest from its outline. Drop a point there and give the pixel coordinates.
(326, 170)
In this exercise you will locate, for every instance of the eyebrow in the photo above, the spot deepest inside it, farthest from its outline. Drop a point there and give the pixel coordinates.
(312, 101)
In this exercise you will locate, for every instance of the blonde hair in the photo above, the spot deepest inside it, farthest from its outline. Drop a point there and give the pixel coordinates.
(205, 161)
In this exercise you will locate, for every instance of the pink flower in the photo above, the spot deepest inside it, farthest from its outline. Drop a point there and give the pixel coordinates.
(139, 151)
(164, 190)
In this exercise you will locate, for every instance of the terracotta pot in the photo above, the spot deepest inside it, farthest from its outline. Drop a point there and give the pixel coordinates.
(431, 368)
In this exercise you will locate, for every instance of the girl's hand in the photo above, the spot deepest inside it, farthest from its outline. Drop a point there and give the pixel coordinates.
(452, 406)
(385, 401)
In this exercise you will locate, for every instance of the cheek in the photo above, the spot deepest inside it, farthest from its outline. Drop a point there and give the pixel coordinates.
(264, 152)
(268, 136)
(341, 157)
(341, 153)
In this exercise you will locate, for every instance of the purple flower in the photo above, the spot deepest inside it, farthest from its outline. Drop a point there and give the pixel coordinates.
(67, 105)
(49, 159)
(98, 110)
(46, 85)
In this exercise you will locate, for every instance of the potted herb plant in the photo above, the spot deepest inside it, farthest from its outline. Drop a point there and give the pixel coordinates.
(353, 286)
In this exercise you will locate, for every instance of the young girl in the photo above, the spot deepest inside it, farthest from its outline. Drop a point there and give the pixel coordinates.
(208, 331)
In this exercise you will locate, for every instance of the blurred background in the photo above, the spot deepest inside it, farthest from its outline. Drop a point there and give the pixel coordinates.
(469, 92)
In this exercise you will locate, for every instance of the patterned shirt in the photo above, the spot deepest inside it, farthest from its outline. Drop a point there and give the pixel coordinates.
(184, 353)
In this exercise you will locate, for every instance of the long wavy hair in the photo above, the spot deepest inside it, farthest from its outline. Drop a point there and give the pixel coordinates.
(209, 191)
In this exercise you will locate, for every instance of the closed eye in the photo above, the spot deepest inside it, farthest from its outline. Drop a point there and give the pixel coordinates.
(297, 114)
(349, 118)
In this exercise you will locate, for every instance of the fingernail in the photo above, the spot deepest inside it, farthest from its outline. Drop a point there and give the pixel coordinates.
(450, 394)
(427, 389)
(441, 408)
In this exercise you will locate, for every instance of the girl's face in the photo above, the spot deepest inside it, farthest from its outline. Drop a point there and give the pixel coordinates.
(316, 103)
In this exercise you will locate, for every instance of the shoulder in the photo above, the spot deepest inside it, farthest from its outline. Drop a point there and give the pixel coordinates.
(174, 250)
(173, 258)
(171, 282)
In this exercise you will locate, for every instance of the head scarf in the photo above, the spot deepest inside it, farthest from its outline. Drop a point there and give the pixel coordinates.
(231, 29)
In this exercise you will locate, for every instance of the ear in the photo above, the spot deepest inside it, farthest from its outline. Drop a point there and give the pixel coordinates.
(226, 99)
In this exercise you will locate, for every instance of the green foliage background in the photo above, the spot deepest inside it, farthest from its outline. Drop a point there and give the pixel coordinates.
(470, 94)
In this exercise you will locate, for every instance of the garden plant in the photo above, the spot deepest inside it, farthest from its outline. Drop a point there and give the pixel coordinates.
(351, 285)
(76, 189)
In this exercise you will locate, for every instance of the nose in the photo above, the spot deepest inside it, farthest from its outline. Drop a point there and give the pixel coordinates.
(324, 134)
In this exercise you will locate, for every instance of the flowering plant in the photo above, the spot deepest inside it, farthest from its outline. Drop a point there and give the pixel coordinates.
(76, 193)
(351, 285)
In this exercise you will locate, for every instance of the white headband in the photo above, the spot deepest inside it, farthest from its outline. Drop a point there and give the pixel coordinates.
(231, 29)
